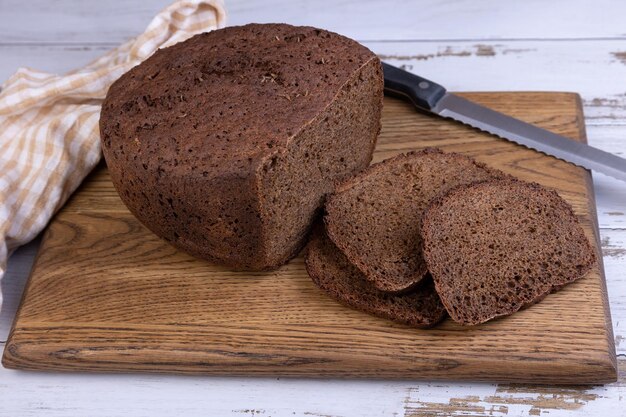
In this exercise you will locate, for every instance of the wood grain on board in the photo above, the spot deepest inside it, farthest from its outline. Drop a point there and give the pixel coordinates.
(107, 295)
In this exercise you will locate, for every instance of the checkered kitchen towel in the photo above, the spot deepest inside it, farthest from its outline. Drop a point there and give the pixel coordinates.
(49, 138)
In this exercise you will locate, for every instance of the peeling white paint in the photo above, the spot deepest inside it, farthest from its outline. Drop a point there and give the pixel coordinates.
(511, 400)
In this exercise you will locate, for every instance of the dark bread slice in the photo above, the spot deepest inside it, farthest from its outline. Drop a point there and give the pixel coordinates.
(330, 270)
(226, 144)
(497, 246)
(375, 217)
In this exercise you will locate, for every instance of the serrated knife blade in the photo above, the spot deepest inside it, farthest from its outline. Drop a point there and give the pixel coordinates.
(432, 97)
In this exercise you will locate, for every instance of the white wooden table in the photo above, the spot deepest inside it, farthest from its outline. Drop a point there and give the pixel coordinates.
(568, 45)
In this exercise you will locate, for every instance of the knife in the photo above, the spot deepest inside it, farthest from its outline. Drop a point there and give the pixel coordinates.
(432, 97)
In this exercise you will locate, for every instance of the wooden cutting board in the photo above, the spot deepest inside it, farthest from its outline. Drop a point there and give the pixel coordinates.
(105, 294)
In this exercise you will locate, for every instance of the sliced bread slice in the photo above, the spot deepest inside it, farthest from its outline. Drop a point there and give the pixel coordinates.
(332, 272)
(497, 246)
(375, 217)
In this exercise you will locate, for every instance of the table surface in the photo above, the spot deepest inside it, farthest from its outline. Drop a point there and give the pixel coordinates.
(565, 45)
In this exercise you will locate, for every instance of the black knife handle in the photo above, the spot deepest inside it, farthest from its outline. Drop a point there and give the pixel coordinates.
(422, 92)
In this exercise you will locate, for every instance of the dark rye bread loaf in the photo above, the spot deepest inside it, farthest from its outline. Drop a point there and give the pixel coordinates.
(226, 144)
(375, 217)
(497, 246)
(332, 272)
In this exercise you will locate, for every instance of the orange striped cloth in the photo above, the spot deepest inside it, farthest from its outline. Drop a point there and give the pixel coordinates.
(49, 138)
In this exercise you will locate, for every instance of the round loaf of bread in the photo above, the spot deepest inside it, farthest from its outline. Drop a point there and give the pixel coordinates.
(226, 144)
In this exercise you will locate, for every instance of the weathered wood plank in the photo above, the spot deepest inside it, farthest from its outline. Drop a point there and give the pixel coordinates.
(28, 394)
(610, 201)
(589, 68)
(70, 21)
(55, 59)
(437, 20)
(515, 400)
(94, 21)
(614, 252)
